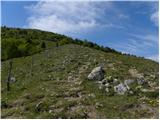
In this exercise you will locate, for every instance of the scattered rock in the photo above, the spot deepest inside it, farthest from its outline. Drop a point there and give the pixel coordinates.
(50, 77)
(13, 79)
(130, 92)
(107, 85)
(107, 89)
(104, 81)
(96, 74)
(92, 95)
(38, 106)
(128, 82)
(101, 87)
(141, 81)
(134, 73)
(146, 90)
(98, 105)
(120, 89)
(115, 81)
(139, 87)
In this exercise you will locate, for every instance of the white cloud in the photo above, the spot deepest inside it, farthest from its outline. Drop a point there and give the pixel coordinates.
(73, 17)
(154, 16)
(123, 16)
(66, 17)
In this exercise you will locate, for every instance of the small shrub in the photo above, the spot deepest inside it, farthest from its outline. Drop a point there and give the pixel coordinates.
(43, 45)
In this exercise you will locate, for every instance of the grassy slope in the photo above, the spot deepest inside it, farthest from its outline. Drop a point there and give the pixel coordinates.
(17, 42)
(60, 87)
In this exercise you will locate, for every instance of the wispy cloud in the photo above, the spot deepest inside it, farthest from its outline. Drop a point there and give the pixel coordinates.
(123, 16)
(147, 39)
(65, 17)
(155, 14)
(73, 17)
(155, 17)
(140, 45)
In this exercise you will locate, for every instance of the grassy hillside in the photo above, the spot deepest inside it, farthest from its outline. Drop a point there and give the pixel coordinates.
(18, 42)
(52, 83)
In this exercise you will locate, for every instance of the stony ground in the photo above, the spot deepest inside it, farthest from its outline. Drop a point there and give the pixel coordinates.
(56, 86)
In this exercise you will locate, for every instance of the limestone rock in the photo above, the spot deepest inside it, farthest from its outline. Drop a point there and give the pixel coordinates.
(120, 89)
(134, 73)
(141, 81)
(96, 74)
(13, 79)
(128, 82)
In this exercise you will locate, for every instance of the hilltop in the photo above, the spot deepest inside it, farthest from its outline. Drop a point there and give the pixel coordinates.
(52, 81)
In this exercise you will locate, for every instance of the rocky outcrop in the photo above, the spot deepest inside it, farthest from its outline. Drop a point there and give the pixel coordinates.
(115, 86)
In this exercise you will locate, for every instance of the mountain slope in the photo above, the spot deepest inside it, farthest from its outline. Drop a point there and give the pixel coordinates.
(18, 42)
(58, 86)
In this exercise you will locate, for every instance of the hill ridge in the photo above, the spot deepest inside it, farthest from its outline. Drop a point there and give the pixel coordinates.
(37, 37)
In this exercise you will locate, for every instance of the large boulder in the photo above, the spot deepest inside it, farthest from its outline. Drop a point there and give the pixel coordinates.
(96, 74)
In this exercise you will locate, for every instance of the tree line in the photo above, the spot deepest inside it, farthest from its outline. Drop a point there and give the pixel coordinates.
(17, 42)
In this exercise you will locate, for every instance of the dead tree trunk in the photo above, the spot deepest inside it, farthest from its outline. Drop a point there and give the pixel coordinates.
(31, 70)
(56, 44)
(9, 75)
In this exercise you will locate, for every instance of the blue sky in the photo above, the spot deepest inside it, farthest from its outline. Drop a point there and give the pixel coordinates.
(129, 27)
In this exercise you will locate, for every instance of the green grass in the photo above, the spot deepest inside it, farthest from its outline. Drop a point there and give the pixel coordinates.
(50, 86)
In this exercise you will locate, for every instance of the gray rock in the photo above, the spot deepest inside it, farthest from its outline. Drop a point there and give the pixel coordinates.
(120, 89)
(115, 81)
(107, 85)
(104, 81)
(146, 90)
(39, 106)
(100, 87)
(92, 95)
(141, 81)
(99, 82)
(50, 111)
(128, 82)
(96, 74)
(98, 105)
(13, 79)
(128, 88)
(134, 73)
(107, 89)
(131, 92)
